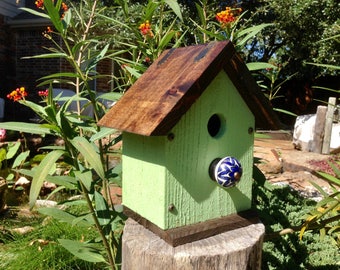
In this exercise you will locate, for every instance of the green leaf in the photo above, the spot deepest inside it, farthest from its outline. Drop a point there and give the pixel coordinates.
(26, 127)
(53, 13)
(104, 132)
(40, 173)
(12, 149)
(58, 214)
(166, 39)
(329, 178)
(61, 74)
(34, 12)
(20, 159)
(250, 33)
(84, 219)
(85, 178)
(320, 189)
(173, 4)
(102, 209)
(84, 251)
(36, 108)
(200, 13)
(284, 111)
(89, 153)
(324, 65)
(63, 180)
(259, 65)
(46, 55)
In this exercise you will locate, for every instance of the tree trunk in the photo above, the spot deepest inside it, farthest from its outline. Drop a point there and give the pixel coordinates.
(238, 249)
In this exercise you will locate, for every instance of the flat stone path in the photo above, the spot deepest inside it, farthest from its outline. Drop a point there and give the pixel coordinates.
(283, 164)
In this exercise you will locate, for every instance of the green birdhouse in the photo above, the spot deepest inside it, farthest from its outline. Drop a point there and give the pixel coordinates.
(188, 125)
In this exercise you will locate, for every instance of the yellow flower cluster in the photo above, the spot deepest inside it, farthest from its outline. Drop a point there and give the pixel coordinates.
(145, 29)
(228, 15)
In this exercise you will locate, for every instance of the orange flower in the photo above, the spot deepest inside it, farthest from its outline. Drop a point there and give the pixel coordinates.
(64, 7)
(17, 94)
(145, 29)
(39, 4)
(228, 15)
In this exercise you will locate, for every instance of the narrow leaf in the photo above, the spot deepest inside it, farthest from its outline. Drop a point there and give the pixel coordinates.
(173, 4)
(12, 149)
(85, 178)
(102, 209)
(20, 159)
(25, 127)
(40, 173)
(259, 65)
(84, 251)
(89, 153)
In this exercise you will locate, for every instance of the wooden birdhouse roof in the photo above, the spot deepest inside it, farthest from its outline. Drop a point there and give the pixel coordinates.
(158, 99)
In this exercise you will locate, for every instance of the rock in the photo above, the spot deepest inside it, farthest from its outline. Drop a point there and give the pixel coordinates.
(23, 230)
(22, 182)
(45, 203)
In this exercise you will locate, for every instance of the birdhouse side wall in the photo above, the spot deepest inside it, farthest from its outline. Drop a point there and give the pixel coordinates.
(144, 176)
(194, 196)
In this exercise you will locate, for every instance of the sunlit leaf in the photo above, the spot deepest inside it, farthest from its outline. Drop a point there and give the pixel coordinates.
(40, 173)
(84, 251)
(85, 178)
(173, 4)
(25, 127)
(13, 148)
(259, 65)
(20, 159)
(89, 153)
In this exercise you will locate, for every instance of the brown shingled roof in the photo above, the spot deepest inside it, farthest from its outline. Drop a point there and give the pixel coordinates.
(158, 99)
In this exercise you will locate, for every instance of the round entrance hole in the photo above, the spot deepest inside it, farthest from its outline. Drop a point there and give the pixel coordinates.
(215, 125)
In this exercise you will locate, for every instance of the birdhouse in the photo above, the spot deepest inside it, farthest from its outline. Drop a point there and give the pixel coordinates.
(188, 131)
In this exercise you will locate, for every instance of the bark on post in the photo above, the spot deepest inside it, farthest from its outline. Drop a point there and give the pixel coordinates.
(238, 249)
(319, 129)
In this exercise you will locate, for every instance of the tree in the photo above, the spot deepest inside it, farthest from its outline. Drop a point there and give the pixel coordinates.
(299, 27)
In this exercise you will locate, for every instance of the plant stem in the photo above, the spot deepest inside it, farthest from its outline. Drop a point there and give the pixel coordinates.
(99, 228)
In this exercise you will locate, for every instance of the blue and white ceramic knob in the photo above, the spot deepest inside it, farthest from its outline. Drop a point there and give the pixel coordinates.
(226, 171)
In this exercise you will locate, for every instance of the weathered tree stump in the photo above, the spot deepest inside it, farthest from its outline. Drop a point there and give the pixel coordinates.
(237, 249)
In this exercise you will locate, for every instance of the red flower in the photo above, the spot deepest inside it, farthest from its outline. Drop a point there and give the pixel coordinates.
(39, 4)
(17, 94)
(145, 29)
(43, 93)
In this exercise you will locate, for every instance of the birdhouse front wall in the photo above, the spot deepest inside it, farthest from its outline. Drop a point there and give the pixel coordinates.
(166, 178)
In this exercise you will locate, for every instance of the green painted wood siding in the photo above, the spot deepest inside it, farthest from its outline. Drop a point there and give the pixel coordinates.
(158, 172)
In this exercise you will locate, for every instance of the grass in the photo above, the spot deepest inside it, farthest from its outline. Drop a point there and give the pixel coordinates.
(39, 249)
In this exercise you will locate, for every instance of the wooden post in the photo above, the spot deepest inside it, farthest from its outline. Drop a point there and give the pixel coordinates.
(328, 125)
(319, 129)
(238, 249)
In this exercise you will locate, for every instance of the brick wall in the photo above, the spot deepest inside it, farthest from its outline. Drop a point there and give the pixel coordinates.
(7, 58)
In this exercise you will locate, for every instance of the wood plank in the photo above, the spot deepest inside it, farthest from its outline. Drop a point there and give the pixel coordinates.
(187, 234)
(328, 125)
(319, 129)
